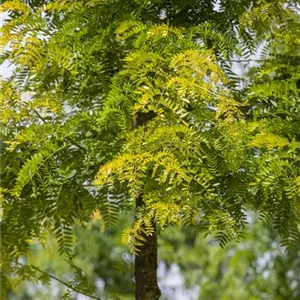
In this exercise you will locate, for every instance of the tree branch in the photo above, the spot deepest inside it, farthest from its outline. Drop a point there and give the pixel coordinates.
(39, 116)
(62, 282)
(247, 60)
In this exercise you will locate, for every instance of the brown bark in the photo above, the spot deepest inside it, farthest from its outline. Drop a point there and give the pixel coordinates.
(146, 267)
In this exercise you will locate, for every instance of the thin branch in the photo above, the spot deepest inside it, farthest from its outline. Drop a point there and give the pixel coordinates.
(39, 116)
(248, 60)
(207, 90)
(62, 282)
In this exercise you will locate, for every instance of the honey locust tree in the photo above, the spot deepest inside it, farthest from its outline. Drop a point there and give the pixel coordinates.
(132, 106)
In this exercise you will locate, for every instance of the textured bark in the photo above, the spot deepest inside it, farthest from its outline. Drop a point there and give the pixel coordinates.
(146, 268)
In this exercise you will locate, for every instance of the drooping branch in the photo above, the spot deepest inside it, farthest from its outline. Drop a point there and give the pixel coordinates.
(62, 282)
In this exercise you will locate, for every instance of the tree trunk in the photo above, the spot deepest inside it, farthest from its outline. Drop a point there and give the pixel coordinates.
(145, 269)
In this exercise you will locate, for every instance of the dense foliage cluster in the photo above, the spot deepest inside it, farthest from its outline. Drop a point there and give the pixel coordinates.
(113, 102)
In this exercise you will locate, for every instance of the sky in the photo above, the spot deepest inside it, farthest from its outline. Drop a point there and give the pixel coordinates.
(5, 68)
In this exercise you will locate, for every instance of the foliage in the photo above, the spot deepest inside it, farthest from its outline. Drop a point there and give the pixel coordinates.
(109, 275)
(256, 267)
(115, 100)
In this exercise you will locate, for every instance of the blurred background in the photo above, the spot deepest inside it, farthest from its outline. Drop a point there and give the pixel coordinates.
(190, 267)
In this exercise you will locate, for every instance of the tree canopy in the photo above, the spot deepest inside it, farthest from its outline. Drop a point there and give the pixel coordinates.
(132, 106)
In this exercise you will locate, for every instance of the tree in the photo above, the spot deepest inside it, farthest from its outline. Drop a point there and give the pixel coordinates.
(139, 90)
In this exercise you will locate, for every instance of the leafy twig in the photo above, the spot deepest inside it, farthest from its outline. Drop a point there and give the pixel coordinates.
(62, 282)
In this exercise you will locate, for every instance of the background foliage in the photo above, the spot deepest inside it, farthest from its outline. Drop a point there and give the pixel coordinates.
(256, 268)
